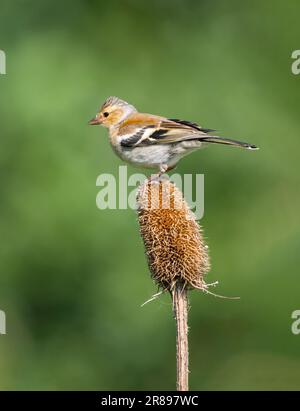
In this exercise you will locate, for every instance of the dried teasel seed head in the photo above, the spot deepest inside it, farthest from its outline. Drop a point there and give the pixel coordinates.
(173, 240)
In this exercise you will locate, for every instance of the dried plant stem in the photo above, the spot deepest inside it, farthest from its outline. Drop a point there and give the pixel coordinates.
(177, 256)
(180, 309)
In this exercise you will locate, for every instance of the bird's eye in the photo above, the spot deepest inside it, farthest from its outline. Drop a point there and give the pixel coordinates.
(106, 114)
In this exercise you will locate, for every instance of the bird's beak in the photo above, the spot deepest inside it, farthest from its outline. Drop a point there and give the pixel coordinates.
(94, 121)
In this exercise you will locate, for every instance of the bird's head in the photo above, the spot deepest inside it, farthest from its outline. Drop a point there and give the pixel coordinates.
(112, 112)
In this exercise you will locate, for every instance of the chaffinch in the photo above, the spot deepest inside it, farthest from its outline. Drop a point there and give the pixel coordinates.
(151, 141)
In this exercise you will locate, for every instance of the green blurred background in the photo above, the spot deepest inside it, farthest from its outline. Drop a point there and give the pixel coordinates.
(72, 276)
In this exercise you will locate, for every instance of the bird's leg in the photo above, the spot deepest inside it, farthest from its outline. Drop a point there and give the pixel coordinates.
(154, 177)
(163, 168)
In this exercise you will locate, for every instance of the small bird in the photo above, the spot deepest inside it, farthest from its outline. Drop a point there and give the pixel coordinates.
(151, 141)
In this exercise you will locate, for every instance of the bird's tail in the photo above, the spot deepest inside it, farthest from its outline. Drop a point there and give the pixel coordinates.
(228, 141)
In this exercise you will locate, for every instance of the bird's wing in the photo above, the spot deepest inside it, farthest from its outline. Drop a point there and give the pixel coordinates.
(142, 130)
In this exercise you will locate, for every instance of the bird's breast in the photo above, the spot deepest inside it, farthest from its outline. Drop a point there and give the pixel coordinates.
(149, 156)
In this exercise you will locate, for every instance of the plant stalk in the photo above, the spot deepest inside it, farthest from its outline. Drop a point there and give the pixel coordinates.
(180, 309)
